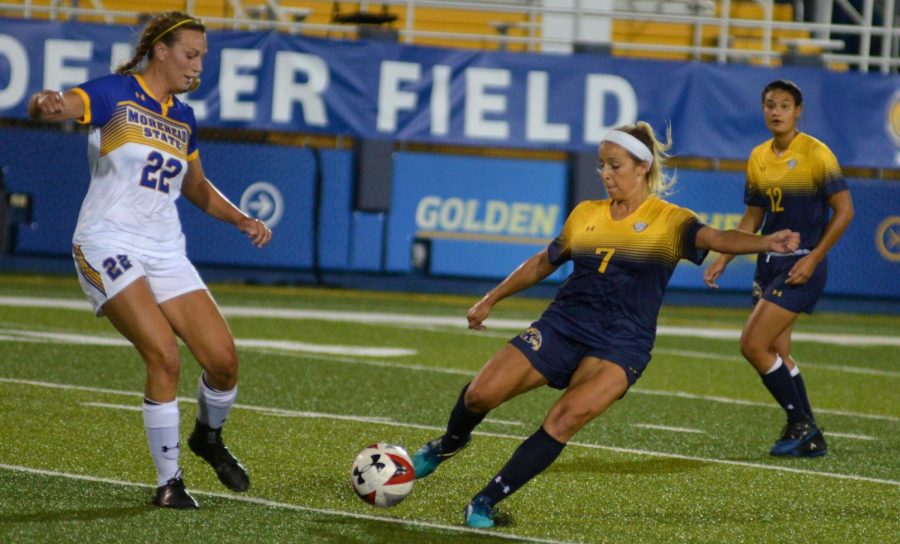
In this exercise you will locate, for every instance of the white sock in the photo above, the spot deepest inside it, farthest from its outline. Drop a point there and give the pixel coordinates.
(161, 422)
(795, 371)
(776, 365)
(213, 405)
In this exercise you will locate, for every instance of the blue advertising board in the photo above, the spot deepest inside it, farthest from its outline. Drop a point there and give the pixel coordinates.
(481, 217)
(272, 183)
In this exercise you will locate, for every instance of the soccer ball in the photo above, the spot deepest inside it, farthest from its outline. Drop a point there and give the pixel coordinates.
(382, 475)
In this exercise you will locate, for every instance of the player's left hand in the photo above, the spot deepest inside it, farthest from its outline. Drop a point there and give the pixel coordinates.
(802, 270)
(784, 241)
(256, 230)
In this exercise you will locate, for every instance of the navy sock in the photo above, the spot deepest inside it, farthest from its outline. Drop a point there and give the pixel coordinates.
(801, 390)
(781, 385)
(460, 425)
(531, 458)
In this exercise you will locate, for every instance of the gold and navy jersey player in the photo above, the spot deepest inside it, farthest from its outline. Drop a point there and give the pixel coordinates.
(621, 269)
(794, 187)
(139, 149)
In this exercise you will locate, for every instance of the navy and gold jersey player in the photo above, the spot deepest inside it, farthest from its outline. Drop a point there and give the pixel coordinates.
(594, 340)
(609, 305)
(793, 181)
(793, 188)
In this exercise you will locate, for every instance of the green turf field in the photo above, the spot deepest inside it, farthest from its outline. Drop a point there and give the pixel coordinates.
(682, 458)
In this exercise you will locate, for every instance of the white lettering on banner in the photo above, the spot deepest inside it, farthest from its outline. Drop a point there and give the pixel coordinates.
(475, 101)
(596, 89)
(537, 128)
(58, 76)
(309, 94)
(14, 52)
(440, 100)
(121, 53)
(232, 83)
(390, 98)
(479, 102)
(497, 217)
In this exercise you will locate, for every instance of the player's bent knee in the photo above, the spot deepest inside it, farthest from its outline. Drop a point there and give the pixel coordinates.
(479, 400)
(563, 423)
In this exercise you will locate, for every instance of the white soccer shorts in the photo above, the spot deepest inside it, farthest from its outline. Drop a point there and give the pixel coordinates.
(104, 271)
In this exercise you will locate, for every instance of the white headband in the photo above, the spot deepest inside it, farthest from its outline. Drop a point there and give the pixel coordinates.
(631, 144)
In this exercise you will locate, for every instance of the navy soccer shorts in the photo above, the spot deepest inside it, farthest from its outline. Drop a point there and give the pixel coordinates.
(769, 283)
(556, 356)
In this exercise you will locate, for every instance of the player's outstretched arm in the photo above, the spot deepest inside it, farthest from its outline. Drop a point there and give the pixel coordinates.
(529, 273)
(49, 105)
(203, 194)
(739, 243)
(749, 222)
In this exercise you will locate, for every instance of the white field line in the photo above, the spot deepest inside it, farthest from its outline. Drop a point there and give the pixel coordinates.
(284, 506)
(108, 341)
(851, 436)
(667, 428)
(801, 364)
(633, 451)
(13, 335)
(280, 412)
(388, 319)
(635, 390)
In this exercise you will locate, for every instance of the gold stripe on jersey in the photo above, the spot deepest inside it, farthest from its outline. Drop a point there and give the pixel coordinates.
(132, 123)
(86, 118)
(652, 233)
(164, 106)
(803, 169)
(87, 271)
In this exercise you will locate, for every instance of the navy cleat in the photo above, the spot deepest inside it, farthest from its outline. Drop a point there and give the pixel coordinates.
(479, 513)
(815, 447)
(174, 495)
(206, 442)
(793, 437)
(428, 457)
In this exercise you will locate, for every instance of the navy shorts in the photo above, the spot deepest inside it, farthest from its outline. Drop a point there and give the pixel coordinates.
(557, 356)
(769, 283)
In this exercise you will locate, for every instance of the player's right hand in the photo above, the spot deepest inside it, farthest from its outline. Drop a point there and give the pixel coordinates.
(51, 103)
(784, 241)
(478, 313)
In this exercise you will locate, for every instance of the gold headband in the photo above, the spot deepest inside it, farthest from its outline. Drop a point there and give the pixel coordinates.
(173, 27)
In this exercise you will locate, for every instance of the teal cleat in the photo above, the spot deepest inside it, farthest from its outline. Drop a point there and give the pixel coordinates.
(428, 457)
(478, 513)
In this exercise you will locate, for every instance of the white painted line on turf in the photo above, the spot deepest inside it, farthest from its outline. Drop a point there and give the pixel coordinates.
(741, 402)
(496, 435)
(389, 319)
(285, 506)
(638, 390)
(667, 428)
(129, 407)
(851, 436)
(250, 343)
(823, 366)
(279, 412)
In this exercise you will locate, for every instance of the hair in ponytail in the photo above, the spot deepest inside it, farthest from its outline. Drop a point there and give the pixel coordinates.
(164, 27)
(660, 181)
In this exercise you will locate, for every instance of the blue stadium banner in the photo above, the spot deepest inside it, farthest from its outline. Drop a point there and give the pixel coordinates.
(268, 80)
